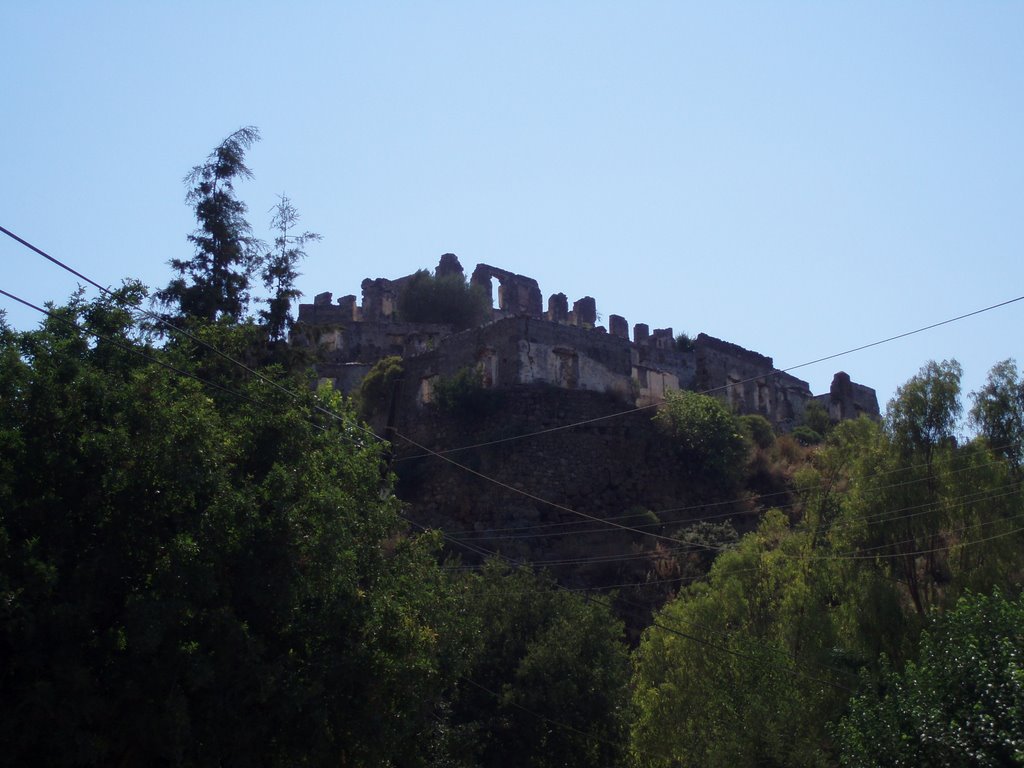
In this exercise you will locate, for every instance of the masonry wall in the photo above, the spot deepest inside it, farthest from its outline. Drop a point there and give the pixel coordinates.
(559, 348)
(608, 469)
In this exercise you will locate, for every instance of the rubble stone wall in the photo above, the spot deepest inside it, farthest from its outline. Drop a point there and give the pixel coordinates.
(525, 345)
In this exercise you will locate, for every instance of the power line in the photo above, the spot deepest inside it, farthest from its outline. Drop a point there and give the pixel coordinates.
(679, 547)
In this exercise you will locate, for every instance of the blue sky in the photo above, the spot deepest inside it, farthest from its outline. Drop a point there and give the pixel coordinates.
(797, 178)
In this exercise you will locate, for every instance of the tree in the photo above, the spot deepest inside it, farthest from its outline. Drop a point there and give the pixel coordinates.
(960, 704)
(920, 423)
(279, 268)
(924, 413)
(190, 580)
(735, 671)
(707, 436)
(215, 281)
(546, 680)
(998, 412)
(448, 299)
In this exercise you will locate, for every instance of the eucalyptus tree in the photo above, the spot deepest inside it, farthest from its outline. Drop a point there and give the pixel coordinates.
(998, 412)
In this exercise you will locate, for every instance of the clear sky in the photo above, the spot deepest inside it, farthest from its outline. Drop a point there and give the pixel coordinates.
(797, 178)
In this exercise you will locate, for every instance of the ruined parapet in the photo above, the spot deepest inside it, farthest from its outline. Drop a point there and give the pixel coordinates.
(517, 294)
(584, 313)
(662, 338)
(617, 326)
(322, 313)
(347, 307)
(558, 308)
(641, 333)
(789, 400)
(449, 266)
(380, 299)
(848, 400)
(748, 382)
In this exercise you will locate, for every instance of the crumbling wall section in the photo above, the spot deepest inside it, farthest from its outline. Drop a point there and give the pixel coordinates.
(524, 351)
(748, 382)
(848, 400)
(517, 294)
(559, 347)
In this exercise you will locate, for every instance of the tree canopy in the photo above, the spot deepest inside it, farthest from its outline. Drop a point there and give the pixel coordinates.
(197, 577)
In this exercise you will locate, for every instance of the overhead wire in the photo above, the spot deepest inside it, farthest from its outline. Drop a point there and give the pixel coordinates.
(591, 518)
(586, 516)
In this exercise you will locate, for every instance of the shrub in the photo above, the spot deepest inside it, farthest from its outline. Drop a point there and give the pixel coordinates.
(684, 343)
(806, 436)
(758, 429)
(376, 387)
(707, 435)
(817, 418)
(464, 393)
(449, 300)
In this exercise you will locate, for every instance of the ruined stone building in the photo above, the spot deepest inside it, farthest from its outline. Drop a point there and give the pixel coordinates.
(541, 369)
(524, 344)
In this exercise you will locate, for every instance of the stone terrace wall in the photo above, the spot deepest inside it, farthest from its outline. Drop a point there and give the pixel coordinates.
(605, 468)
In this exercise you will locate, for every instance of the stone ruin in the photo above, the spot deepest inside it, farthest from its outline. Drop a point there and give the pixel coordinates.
(525, 344)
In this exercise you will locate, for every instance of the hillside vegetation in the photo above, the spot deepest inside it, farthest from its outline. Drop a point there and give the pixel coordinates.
(204, 562)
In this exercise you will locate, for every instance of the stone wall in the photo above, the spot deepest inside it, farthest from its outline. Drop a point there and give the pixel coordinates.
(609, 469)
(560, 348)
(362, 342)
(748, 381)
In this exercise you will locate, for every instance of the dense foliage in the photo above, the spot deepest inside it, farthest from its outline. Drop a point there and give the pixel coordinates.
(960, 704)
(202, 566)
(895, 523)
(194, 577)
(208, 572)
(448, 300)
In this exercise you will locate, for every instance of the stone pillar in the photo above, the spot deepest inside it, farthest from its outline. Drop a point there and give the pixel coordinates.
(841, 396)
(641, 332)
(618, 326)
(558, 308)
(449, 265)
(347, 307)
(585, 312)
